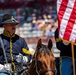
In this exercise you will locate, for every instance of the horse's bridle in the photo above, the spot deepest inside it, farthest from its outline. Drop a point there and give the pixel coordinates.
(45, 70)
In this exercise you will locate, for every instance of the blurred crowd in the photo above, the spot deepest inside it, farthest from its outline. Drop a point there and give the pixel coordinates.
(41, 18)
(44, 18)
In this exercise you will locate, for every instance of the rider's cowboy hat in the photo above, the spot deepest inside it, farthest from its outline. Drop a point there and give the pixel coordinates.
(8, 18)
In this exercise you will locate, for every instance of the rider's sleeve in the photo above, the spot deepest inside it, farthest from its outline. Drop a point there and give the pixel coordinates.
(26, 52)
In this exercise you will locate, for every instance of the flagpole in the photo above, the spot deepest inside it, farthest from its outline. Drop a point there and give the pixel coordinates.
(73, 58)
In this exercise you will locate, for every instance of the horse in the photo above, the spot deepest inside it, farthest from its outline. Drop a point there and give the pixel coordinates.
(43, 62)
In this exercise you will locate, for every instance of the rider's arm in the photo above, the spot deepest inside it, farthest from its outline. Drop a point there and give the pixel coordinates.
(26, 52)
(60, 44)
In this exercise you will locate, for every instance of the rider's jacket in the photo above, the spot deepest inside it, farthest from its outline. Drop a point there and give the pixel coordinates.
(65, 50)
(13, 46)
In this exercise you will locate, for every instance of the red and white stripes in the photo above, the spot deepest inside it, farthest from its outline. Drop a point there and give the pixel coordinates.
(66, 11)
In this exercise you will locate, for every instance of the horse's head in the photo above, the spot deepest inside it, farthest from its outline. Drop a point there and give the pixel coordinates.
(44, 59)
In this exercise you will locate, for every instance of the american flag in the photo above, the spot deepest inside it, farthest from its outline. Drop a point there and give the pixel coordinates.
(66, 11)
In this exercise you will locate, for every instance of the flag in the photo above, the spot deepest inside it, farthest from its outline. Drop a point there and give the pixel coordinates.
(66, 12)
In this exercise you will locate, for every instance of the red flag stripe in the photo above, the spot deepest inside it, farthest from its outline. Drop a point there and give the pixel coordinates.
(70, 24)
(66, 17)
(61, 11)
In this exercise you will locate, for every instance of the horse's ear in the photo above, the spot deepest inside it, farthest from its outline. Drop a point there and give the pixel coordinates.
(50, 44)
(39, 44)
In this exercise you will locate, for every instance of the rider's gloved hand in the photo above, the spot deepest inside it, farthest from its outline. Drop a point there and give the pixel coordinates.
(19, 58)
(65, 43)
(7, 67)
(25, 59)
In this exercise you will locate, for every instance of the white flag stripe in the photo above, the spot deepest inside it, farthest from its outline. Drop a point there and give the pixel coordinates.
(65, 18)
(71, 3)
(64, 22)
(58, 4)
(73, 34)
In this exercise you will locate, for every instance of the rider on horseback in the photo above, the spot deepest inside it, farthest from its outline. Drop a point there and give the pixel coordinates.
(16, 51)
